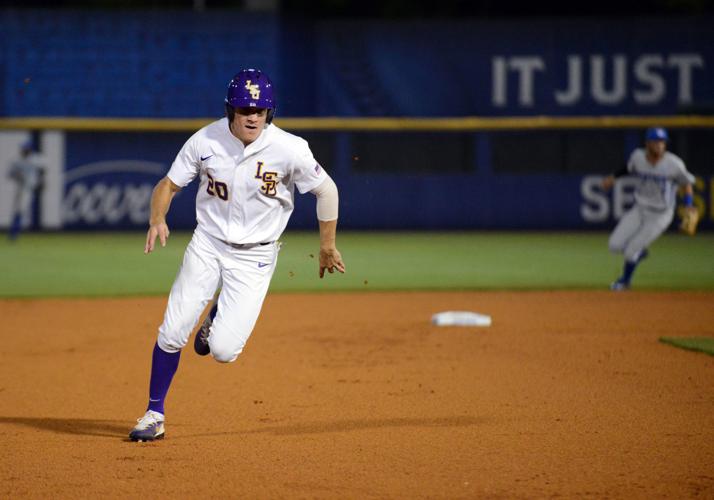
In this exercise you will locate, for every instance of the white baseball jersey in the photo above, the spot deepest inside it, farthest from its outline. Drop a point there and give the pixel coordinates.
(27, 173)
(657, 187)
(245, 196)
(246, 193)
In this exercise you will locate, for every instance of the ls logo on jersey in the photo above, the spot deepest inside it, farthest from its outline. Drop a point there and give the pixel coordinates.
(269, 180)
(253, 89)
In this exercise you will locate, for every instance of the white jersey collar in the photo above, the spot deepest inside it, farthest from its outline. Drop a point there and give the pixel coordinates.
(260, 143)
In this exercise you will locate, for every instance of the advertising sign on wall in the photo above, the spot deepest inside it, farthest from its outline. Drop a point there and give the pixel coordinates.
(104, 182)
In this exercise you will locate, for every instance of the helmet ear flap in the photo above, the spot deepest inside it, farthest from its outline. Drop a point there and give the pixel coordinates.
(230, 112)
(271, 114)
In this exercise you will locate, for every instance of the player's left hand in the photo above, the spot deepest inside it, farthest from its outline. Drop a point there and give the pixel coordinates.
(330, 259)
(690, 219)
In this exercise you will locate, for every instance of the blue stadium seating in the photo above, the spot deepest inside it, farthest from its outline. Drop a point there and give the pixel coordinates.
(126, 64)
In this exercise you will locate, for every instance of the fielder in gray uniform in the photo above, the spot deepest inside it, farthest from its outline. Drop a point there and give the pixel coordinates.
(28, 175)
(659, 173)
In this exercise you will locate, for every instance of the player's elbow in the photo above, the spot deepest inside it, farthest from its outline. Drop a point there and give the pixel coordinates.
(328, 200)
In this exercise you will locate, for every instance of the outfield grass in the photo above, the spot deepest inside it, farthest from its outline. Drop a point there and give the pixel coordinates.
(110, 264)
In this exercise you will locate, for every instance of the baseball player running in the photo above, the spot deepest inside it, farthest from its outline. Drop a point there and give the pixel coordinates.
(247, 169)
(658, 173)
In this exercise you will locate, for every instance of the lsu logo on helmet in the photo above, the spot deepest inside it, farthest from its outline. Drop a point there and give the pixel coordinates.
(254, 89)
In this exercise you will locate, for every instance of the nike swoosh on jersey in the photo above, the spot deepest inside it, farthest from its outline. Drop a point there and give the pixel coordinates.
(204, 158)
(260, 264)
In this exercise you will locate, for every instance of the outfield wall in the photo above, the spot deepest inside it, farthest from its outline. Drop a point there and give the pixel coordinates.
(540, 177)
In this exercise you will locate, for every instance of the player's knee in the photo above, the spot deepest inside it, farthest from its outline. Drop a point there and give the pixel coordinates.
(224, 357)
(616, 246)
(169, 344)
(225, 352)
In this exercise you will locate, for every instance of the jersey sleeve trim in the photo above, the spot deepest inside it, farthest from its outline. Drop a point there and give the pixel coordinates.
(309, 187)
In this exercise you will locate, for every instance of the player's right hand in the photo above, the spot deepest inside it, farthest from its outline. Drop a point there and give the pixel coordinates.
(161, 230)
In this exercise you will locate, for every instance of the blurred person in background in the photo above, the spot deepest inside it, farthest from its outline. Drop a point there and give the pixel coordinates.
(28, 175)
(659, 173)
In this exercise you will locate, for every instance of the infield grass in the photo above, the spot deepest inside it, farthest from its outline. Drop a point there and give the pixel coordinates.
(701, 344)
(113, 264)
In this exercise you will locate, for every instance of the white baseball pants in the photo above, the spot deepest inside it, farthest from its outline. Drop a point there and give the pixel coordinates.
(637, 229)
(22, 203)
(244, 276)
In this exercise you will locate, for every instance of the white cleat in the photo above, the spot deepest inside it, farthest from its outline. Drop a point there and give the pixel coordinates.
(149, 427)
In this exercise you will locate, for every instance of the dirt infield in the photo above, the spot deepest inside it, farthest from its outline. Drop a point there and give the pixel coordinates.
(358, 396)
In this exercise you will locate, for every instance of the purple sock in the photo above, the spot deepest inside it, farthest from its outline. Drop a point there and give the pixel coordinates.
(163, 367)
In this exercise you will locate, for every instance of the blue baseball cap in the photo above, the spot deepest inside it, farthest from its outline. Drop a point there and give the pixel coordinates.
(656, 134)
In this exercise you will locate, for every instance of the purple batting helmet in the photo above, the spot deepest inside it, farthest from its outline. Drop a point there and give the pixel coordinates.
(656, 134)
(250, 88)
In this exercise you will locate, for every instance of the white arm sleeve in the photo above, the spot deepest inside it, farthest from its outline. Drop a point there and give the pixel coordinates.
(327, 200)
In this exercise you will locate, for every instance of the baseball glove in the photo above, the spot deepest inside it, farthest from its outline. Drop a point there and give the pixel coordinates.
(690, 219)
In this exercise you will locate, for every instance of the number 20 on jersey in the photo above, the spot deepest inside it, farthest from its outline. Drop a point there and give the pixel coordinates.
(217, 188)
